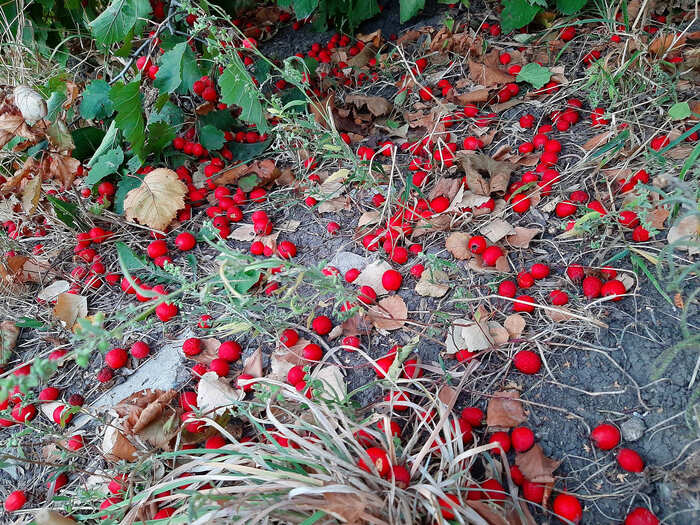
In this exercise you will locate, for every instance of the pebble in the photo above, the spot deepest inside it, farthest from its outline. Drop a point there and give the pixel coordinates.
(633, 429)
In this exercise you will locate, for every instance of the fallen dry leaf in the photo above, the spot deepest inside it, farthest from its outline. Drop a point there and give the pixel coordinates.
(496, 229)
(51, 517)
(333, 380)
(515, 324)
(597, 140)
(9, 333)
(141, 408)
(478, 167)
(657, 217)
(431, 284)
(53, 290)
(30, 195)
(685, 233)
(662, 44)
(457, 244)
(535, 466)
(210, 351)
(253, 364)
(498, 333)
(157, 200)
(371, 275)
(335, 205)
(244, 233)
(63, 168)
(447, 395)
(560, 315)
(215, 394)
(378, 106)
(489, 76)
(485, 511)
(358, 324)
(505, 410)
(70, 307)
(522, 237)
(116, 446)
(389, 313)
(345, 507)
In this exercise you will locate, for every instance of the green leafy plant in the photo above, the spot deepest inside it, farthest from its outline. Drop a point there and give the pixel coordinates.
(519, 13)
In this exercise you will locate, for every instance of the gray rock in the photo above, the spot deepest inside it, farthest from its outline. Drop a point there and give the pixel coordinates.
(346, 260)
(633, 429)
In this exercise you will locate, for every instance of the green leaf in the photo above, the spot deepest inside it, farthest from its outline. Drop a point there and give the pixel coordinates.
(96, 103)
(517, 14)
(160, 134)
(105, 166)
(221, 119)
(28, 322)
(128, 102)
(534, 74)
(125, 185)
(133, 164)
(238, 88)
(570, 7)
(304, 8)
(107, 142)
(190, 71)
(211, 138)
(169, 75)
(86, 141)
(679, 111)
(66, 212)
(244, 152)
(169, 113)
(54, 104)
(410, 8)
(248, 182)
(120, 17)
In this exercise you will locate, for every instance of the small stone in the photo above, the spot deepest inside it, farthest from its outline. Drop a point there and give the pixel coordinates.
(633, 429)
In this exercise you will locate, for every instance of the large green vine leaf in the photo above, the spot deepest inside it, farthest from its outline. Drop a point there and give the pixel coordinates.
(120, 17)
(238, 88)
(128, 102)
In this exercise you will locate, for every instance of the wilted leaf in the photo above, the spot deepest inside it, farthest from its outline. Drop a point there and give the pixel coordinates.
(597, 140)
(447, 395)
(8, 339)
(52, 517)
(665, 43)
(345, 507)
(478, 167)
(244, 232)
(685, 233)
(515, 324)
(157, 200)
(215, 394)
(505, 410)
(53, 290)
(63, 168)
(372, 276)
(253, 364)
(535, 466)
(70, 307)
(498, 333)
(378, 106)
(431, 284)
(522, 237)
(30, 103)
(333, 381)
(496, 229)
(31, 194)
(457, 244)
(657, 217)
(141, 408)
(116, 446)
(488, 76)
(389, 313)
(559, 315)
(14, 126)
(334, 205)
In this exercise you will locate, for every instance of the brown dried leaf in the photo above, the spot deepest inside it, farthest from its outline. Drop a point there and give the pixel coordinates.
(231, 175)
(389, 313)
(657, 217)
(51, 517)
(214, 394)
(70, 307)
(253, 364)
(14, 126)
(447, 395)
(487, 513)
(447, 187)
(378, 106)
(210, 351)
(345, 507)
(478, 166)
(560, 315)
(522, 237)
(143, 407)
(662, 44)
(434, 224)
(29, 167)
(360, 60)
(157, 200)
(64, 169)
(358, 324)
(496, 229)
(498, 333)
(535, 466)
(9, 333)
(456, 243)
(684, 233)
(505, 410)
(515, 324)
(244, 233)
(335, 205)
(371, 275)
(475, 96)
(489, 76)
(431, 284)
(116, 446)
(597, 140)
(30, 195)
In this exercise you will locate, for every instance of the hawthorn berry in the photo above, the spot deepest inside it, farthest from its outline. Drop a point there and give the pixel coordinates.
(527, 361)
(606, 436)
(391, 280)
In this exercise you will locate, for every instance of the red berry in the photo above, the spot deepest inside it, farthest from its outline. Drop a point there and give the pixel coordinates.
(379, 458)
(391, 280)
(527, 361)
(185, 241)
(473, 415)
(192, 346)
(105, 375)
(525, 280)
(493, 490)
(220, 366)
(591, 287)
(289, 337)
(575, 272)
(351, 343)
(139, 350)
(522, 439)
(287, 249)
(401, 476)
(567, 507)
(312, 352)
(188, 400)
(539, 271)
(477, 244)
(352, 274)
(157, 248)
(49, 394)
(295, 375)
(641, 516)
(565, 209)
(367, 295)
(322, 325)
(614, 289)
(245, 378)
(606, 436)
(640, 234)
(517, 476)
(491, 255)
(230, 351)
(629, 460)
(533, 492)
(501, 438)
(558, 297)
(507, 289)
(166, 311)
(116, 358)
(15, 501)
(629, 219)
(524, 303)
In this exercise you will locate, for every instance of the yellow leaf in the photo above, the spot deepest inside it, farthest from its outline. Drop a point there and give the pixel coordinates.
(156, 202)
